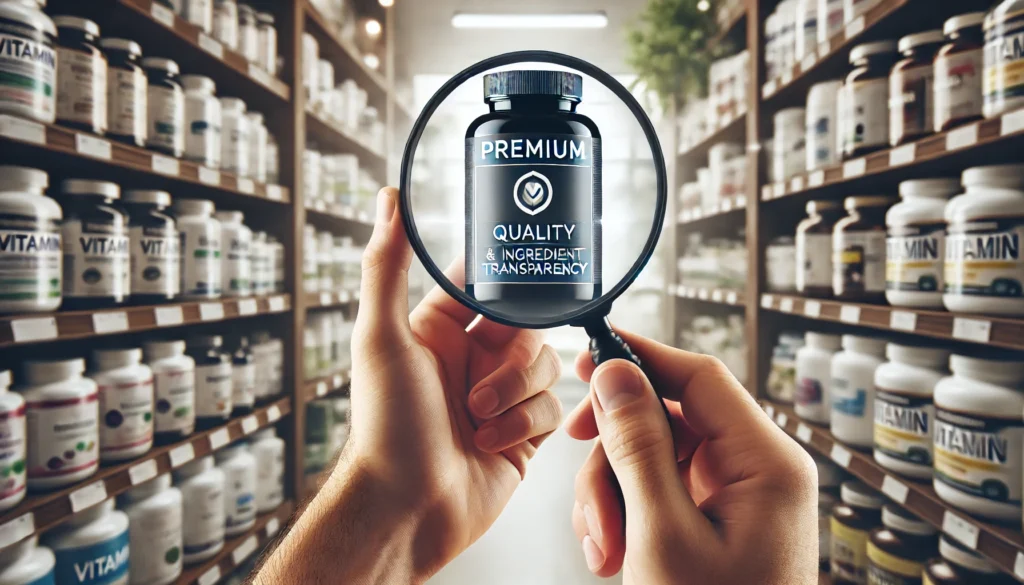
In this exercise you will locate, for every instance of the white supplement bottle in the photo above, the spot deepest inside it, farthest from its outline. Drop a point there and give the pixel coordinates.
(852, 389)
(243, 377)
(813, 377)
(239, 467)
(822, 112)
(156, 260)
(806, 28)
(174, 390)
(97, 258)
(310, 277)
(225, 23)
(92, 548)
(257, 147)
(26, 563)
(202, 121)
(985, 229)
(905, 409)
(126, 403)
(310, 70)
(276, 255)
(214, 379)
(267, 40)
(81, 75)
(62, 421)
(915, 243)
(234, 154)
(165, 105)
(127, 87)
(248, 33)
(154, 512)
(30, 262)
(260, 261)
(830, 19)
(788, 156)
(1003, 85)
(268, 449)
(202, 486)
(28, 78)
(236, 254)
(200, 246)
(12, 444)
(199, 13)
(978, 436)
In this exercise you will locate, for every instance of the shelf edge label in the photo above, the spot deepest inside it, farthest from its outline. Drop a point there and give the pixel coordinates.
(960, 529)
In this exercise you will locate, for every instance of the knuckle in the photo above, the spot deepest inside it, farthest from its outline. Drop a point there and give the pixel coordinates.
(550, 364)
(549, 409)
(714, 366)
(634, 442)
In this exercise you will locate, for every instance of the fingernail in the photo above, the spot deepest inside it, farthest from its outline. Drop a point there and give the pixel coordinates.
(595, 558)
(487, 437)
(484, 401)
(385, 206)
(617, 386)
(591, 519)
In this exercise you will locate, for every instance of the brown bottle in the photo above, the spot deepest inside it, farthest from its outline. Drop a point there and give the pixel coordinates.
(858, 250)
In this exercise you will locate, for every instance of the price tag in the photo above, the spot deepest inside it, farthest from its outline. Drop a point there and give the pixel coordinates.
(273, 525)
(110, 322)
(246, 186)
(824, 48)
(766, 301)
(349, 213)
(741, 201)
(243, 551)
(816, 179)
(849, 314)
(770, 88)
(786, 305)
(903, 320)
(337, 381)
(210, 577)
(166, 165)
(162, 14)
(259, 74)
(972, 329)
(168, 316)
(727, 206)
(219, 438)
(854, 168)
(88, 496)
(808, 61)
(181, 455)
(766, 192)
(211, 45)
(1018, 566)
(812, 309)
(1012, 122)
(778, 190)
(903, 155)
(962, 137)
(319, 206)
(321, 388)
(781, 419)
(325, 298)
(854, 27)
(247, 307)
(841, 455)
(211, 311)
(276, 304)
(731, 298)
(895, 489)
(960, 529)
(39, 329)
(770, 410)
(17, 529)
(273, 414)
(209, 176)
(274, 193)
(803, 432)
(142, 472)
(92, 146)
(796, 184)
(702, 294)
(787, 77)
(691, 293)
(250, 424)
(23, 130)
(716, 295)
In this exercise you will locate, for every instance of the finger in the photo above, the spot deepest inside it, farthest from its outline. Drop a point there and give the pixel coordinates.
(584, 427)
(531, 418)
(600, 512)
(510, 384)
(584, 366)
(494, 336)
(439, 304)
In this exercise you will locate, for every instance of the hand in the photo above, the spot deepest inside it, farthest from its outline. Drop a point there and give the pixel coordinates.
(723, 496)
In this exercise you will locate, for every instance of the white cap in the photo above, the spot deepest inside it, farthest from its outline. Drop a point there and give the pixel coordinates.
(44, 372)
(199, 83)
(193, 207)
(130, 47)
(230, 216)
(900, 520)
(109, 359)
(930, 188)
(999, 176)
(955, 553)
(789, 114)
(207, 341)
(23, 178)
(89, 187)
(5, 380)
(866, 345)
(1010, 372)
(928, 357)
(255, 117)
(868, 49)
(162, 64)
(149, 489)
(927, 37)
(156, 350)
(232, 104)
(858, 494)
(260, 237)
(148, 196)
(816, 207)
(822, 340)
(82, 24)
(963, 21)
(265, 17)
(195, 467)
(858, 201)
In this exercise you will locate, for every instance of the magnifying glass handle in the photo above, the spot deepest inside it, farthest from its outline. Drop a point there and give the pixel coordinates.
(605, 343)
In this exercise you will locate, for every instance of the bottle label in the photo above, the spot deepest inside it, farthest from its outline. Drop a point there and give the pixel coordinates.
(851, 396)
(166, 127)
(175, 394)
(814, 260)
(958, 91)
(126, 414)
(239, 499)
(848, 553)
(104, 563)
(12, 453)
(903, 426)
(911, 110)
(866, 114)
(234, 146)
(270, 480)
(213, 390)
(96, 259)
(30, 258)
(915, 256)
(82, 88)
(236, 265)
(202, 130)
(63, 436)
(984, 258)
(809, 392)
(821, 140)
(887, 569)
(980, 456)
(200, 260)
(28, 72)
(126, 102)
(859, 262)
(203, 518)
(833, 9)
(1004, 67)
(154, 262)
(533, 204)
(156, 542)
(243, 384)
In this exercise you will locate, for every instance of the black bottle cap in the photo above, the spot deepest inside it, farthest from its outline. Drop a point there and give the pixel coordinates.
(503, 84)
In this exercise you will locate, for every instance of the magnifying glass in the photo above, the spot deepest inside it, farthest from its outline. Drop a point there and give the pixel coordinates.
(548, 227)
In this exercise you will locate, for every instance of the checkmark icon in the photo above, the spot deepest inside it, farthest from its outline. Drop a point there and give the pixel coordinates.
(534, 193)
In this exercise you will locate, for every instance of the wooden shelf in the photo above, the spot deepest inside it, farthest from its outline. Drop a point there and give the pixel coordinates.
(717, 295)
(59, 326)
(1003, 545)
(331, 138)
(41, 512)
(729, 19)
(729, 206)
(331, 300)
(320, 387)
(731, 130)
(347, 60)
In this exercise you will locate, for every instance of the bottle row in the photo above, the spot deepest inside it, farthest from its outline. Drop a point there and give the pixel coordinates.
(237, 25)
(330, 263)
(333, 181)
(714, 263)
(326, 432)
(723, 179)
(722, 337)
(728, 79)
(327, 345)
(796, 27)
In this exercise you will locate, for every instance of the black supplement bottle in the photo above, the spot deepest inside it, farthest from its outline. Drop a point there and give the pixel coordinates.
(243, 378)
(96, 246)
(533, 196)
(155, 261)
(213, 380)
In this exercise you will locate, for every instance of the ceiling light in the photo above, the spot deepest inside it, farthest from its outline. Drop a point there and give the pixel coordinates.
(387, 3)
(373, 27)
(565, 20)
(372, 61)
(704, 5)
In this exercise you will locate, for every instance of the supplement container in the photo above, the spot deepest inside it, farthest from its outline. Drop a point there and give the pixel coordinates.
(126, 403)
(239, 467)
(821, 123)
(257, 147)
(273, 160)
(806, 28)
(236, 254)
(719, 157)
(905, 410)
(853, 519)
(780, 264)
(858, 250)
(310, 71)
(28, 86)
(786, 51)
(960, 566)
(310, 351)
(213, 379)
(127, 87)
(911, 92)
(814, 248)
(311, 167)
(92, 547)
(325, 78)
(830, 477)
(198, 12)
(268, 450)
(854, 8)
(202, 486)
(12, 445)
(915, 243)
(202, 121)
(166, 107)
(248, 33)
(325, 261)
(154, 512)
(788, 155)
(26, 563)
(234, 154)
(260, 260)
(781, 385)
(174, 390)
(830, 19)
(1002, 84)
(81, 75)
(772, 28)
(852, 389)
(200, 247)
(898, 550)
(813, 377)
(243, 377)
(267, 42)
(978, 437)
(864, 110)
(30, 266)
(96, 245)
(225, 23)
(959, 67)
(985, 227)
(153, 237)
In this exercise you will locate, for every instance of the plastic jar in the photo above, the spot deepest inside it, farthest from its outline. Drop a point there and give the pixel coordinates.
(820, 135)
(325, 79)
(202, 121)
(155, 258)
(984, 270)
(202, 486)
(911, 92)
(154, 512)
(718, 157)
(858, 250)
(830, 477)
(239, 467)
(958, 72)
(788, 155)
(781, 384)
(243, 377)
(814, 248)
(273, 160)
(915, 243)
(234, 157)
(92, 547)
(257, 147)
(786, 50)
(1003, 86)
(28, 79)
(236, 254)
(275, 351)
(806, 27)
(200, 246)
(978, 436)
(248, 33)
(12, 445)
(268, 450)
(81, 75)
(780, 265)
(96, 245)
(26, 563)
(853, 519)
(199, 13)
(260, 262)
(830, 19)
(126, 91)
(30, 265)
(267, 42)
(772, 25)
(905, 409)
(852, 389)
(813, 377)
(311, 180)
(165, 103)
(864, 110)
(213, 379)
(960, 566)
(174, 390)
(325, 261)
(898, 549)
(310, 57)
(126, 403)
(225, 23)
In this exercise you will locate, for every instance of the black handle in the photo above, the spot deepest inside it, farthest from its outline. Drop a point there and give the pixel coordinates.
(605, 343)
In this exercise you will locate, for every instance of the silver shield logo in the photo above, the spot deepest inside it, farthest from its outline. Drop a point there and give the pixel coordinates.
(532, 193)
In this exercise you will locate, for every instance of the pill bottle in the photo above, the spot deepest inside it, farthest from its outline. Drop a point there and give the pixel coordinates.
(899, 548)
(97, 259)
(213, 379)
(325, 78)
(174, 390)
(310, 279)
(959, 566)
(248, 33)
(814, 248)
(239, 467)
(153, 237)
(311, 175)
(276, 353)
(781, 385)
(126, 403)
(959, 65)
(200, 246)
(1002, 86)
(786, 52)
(911, 92)
(243, 377)
(268, 450)
(225, 23)
(984, 270)
(81, 75)
(165, 104)
(310, 58)
(202, 121)
(199, 13)
(12, 445)
(788, 156)
(236, 254)
(127, 87)
(853, 519)
(812, 401)
(852, 389)
(273, 160)
(772, 26)
(830, 19)
(915, 243)
(202, 487)
(262, 277)
(780, 264)
(830, 478)
(806, 28)
(28, 79)
(858, 250)
(154, 512)
(30, 266)
(820, 129)
(978, 436)
(325, 261)
(310, 350)
(26, 563)
(257, 147)
(905, 409)
(234, 154)
(267, 42)
(92, 547)
(864, 110)
(719, 156)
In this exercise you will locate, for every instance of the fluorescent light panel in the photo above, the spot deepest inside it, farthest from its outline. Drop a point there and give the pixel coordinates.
(564, 20)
